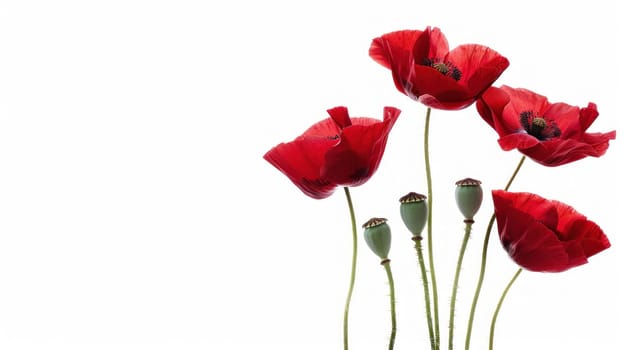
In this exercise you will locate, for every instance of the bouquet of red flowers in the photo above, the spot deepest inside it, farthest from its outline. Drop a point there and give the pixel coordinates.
(539, 234)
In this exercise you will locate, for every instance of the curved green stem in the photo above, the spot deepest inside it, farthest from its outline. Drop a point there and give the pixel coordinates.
(500, 303)
(513, 176)
(434, 285)
(423, 272)
(386, 265)
(345, 324)
(486, 240)
(480, 281)
(456, 281)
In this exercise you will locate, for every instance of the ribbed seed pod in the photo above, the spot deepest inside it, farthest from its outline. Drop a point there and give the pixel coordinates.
(468, 195)
(414, 212)
(377, 236)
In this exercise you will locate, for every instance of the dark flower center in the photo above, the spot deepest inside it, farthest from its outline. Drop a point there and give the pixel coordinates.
(441, 67)
(445, 68)
(539, 127)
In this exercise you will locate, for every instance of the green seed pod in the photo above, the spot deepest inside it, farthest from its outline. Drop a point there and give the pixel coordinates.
(468, 195)
(414, 212)
(377, 236)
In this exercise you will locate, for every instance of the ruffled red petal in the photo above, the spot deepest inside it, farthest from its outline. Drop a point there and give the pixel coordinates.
(428, 86)
(431, 44)
(301, 161)
(340, 116)
(394, 51)
(559, 151)
(588, 115)
(520, 141)
(393, 47)
(358, 154)
(544, 235)
(566, 117)
(522, 100)
(480, 66)
(490, 105)
(326, 128)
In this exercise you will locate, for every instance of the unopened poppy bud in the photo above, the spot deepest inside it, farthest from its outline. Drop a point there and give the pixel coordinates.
(468, 195)
(414, 212)
(377, 236)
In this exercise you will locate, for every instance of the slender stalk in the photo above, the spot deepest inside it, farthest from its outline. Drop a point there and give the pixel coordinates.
(386, 265)
(345, 324)
(500, 303)
(434, 285)
(480, 281)
(513, 176)
(423, 272)
(486, 240)
(462, 250)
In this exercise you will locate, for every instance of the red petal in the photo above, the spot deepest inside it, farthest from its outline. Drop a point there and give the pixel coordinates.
(435, 90)
(393, 47)
(340, 115)
(545, 235)
(431, 44)
(589, 236)
(394, 51)
(301, 162)
(356, 158)
(480, 66)
(521, 100)
(598, 141)
(540, 208)
(326, 128)
(448, 105)
(491, 105)
(391, 114)
(583, 238)
(566, 117)
(588, 115)
(521, 141)
(527, 241)
(539, 250)
(558, 152)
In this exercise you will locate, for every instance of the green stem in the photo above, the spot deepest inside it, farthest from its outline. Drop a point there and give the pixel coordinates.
(486, 240)
(423, 272)
(434, 285)
(386, 265)
(500, 303)
(513, 176)
(479, 283)
(345, 325)
(456, 280)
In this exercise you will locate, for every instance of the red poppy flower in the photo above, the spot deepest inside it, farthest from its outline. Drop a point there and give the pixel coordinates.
(551, 134)
(338, 151)
(545, 235)
(424, 69)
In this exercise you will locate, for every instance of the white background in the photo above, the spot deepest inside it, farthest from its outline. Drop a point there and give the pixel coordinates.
(136, 211)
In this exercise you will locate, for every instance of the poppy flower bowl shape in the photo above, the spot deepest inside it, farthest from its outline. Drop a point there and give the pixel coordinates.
(551, 134)
(545, 235)
(337, 151)
(424, 69)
